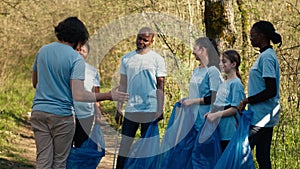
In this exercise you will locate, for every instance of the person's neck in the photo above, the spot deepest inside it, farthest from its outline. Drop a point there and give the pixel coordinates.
(66, 43)
(261, 49)
(203, 63)
(231, 75)
(264, 46)
(143, 51)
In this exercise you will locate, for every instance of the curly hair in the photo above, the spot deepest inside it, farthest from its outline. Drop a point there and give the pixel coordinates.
(72, 30)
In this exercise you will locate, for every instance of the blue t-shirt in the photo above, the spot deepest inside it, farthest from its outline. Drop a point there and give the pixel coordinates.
(230, 93)
(56, 64)
(141, 72)
(86, 109)
(265, 114)
(202, 82)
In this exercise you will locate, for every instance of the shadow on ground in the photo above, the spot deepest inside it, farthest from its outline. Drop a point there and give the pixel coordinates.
(8, 164)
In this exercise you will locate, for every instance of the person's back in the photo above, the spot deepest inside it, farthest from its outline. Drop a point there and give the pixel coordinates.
(54, 68)
(56, 64)
(57, 75)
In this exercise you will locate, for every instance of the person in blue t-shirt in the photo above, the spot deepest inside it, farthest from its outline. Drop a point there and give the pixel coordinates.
(58, 74)
(86, 112)
(205, 79)
(263, 91)
(142, 75)
(229, 95)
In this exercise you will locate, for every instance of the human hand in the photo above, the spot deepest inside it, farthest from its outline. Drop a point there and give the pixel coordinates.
(119, 96)
(187, 102)
(242, 105)
(213, 116)
(100, 120)
(98, 117)
(159, 116)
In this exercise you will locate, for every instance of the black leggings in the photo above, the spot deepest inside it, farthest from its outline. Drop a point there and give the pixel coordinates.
(261, 138)
(82, 130)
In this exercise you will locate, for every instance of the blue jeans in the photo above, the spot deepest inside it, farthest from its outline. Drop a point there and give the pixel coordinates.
(261, 137)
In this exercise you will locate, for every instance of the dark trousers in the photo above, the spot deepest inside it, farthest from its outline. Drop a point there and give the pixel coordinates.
(129, 127)
(261, 138)
(82, 130)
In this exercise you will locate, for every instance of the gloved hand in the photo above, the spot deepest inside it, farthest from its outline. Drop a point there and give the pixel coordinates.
(119, 118)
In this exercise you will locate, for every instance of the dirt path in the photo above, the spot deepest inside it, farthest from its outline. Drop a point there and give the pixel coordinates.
(26, 146)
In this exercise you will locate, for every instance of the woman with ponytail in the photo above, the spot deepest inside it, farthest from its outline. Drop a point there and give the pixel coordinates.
(229, 95)
(263, 91)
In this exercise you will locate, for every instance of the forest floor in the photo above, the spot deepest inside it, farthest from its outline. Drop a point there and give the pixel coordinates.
(25, 149)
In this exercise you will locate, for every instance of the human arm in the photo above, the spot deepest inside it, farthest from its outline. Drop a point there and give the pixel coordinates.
(97, 108)
(122, 88)
(160, 97)
(34, 78)
(205, 100)
(213, 81)
(79, 94)
(219, 114)
(96, 89)
(264, 95)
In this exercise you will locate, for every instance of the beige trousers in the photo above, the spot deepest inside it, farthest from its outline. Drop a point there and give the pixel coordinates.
(53, 137)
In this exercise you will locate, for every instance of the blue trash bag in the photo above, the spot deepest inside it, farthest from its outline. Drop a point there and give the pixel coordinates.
(89, 154)
(207, 149)
(144, 152)
(179, 139)
(237, 154)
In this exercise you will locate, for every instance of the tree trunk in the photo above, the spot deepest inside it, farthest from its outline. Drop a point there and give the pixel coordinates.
(219, 22)
(245, 25)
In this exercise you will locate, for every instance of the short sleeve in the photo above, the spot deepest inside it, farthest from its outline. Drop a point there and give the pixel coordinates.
(214, 78)
(237, 93)
(268, 66)
(78, 69)
(123, 67)
(161, 67)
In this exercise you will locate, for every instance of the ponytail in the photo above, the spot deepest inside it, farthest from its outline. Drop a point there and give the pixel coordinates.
(276, 38)
(267, 28)
(238, 74)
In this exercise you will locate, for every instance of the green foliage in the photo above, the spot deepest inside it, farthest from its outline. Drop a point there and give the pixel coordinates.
(27, 25)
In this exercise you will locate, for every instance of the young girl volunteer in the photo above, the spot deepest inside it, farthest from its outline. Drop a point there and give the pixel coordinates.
(229, 95)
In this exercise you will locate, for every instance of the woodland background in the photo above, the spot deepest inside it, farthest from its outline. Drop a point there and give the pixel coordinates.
(27, 25)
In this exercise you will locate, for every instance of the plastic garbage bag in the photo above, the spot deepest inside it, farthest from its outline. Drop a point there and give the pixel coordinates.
(179, 139)
(207, 149)
(237, 154)
(144, 152)
(89, 154)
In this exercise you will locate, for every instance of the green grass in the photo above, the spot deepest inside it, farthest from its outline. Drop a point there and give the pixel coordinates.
(15, 101)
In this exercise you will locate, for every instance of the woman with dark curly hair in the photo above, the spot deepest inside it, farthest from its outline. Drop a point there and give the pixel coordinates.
(58, 74)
